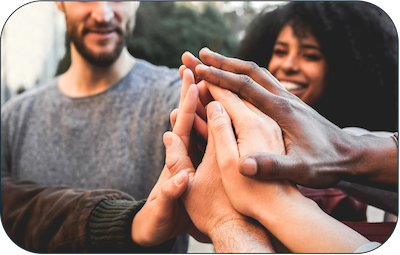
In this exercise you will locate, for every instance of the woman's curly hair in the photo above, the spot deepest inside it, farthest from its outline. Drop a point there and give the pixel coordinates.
(360, 44)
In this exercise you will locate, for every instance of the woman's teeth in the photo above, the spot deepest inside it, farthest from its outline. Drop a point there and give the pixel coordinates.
(291, 85)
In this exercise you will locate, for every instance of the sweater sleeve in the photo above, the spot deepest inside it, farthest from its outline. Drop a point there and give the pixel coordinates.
(109, 228)
(56, 218)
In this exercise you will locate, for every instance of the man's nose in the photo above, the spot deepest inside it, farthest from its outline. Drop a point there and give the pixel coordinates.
(102, 12)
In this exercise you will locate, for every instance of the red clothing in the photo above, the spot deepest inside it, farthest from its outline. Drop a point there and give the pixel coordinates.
(335, 203)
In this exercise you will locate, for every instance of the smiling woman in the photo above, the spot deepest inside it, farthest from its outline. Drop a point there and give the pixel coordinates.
(299, 65)
(346, 68)
(341, 59)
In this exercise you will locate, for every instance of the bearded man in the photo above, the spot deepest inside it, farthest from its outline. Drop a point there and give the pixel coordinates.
(97, 126)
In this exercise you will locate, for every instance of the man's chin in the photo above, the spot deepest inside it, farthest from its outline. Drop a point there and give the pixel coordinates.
(101, 58)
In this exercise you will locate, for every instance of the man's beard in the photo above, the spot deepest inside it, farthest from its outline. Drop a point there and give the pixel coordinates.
(98, 59)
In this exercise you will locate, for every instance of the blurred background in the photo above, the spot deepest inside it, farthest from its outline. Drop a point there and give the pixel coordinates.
(35, 48)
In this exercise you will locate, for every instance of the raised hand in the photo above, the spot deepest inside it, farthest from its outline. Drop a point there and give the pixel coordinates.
(319, 154)
(205, 199)
(296, 221)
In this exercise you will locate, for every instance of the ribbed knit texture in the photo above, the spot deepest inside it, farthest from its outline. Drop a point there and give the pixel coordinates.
(109, 228)
(112, 140)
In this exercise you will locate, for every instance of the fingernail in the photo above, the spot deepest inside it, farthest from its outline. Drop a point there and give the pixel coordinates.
(167, 140)
(214, 109)
(203, 67)
(249, 167)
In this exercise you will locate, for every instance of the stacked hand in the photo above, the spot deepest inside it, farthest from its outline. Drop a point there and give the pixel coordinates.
(276, 204)
(183, 190)
(319, 154)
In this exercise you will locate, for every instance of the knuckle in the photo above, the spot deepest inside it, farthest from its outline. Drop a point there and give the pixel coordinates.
(173, 163)
(220, 126)
(245, 80)
(246, 84)
(283, 105)
(252, 66)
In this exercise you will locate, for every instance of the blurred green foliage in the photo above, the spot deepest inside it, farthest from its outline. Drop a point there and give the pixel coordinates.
(164, 30)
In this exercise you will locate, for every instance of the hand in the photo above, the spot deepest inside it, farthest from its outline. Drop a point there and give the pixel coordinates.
(296, 221)
(255, 132)
(205, 199)
(164, 216)
(319, 154)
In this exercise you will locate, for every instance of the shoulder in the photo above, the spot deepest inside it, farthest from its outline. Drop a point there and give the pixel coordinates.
(27, 99)
(156, 74)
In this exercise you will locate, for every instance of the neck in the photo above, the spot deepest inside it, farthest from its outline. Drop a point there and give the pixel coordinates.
(84, 79)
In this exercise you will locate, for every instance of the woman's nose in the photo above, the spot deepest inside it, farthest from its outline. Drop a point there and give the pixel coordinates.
(290, 64)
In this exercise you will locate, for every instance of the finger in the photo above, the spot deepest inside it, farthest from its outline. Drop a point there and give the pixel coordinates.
(186, 115)
(187, 80)
(173, 189)
(199, 124)
(237, 110)
(204, 95)
(173, 116)
(272, 77)
(251, 69)
(222, 134)
(266, 166)
(190, 61)
(200, 110)
(201, 127)
(177, 157)
(181, 69)
(242, 85)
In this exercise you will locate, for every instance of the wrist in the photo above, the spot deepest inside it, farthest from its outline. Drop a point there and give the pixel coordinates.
(373, 156)
(240, 236)
(273, 212)
(109, 224)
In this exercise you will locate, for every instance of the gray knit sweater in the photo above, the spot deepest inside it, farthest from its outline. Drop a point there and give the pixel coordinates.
(112, 140)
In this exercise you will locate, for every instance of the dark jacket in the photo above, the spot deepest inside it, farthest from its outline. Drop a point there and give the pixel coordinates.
(61, 219)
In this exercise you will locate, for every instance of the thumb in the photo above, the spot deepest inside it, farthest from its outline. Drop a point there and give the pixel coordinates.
(177, 158)
(266, 166)
(173, 189)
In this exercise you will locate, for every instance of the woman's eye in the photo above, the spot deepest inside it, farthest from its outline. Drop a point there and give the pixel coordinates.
(279, 52)
(312, 57)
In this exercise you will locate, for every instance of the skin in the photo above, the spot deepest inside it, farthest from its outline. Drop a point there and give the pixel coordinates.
(319, 154)
(299, 65)
(306, 227)
(97, 31)
(205, 199)
(99, 27)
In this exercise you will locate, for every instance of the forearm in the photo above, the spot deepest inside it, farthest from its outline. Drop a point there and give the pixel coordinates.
(304, 228)
(109, 228)
(48, 219)
(240, 236)
(383, 199)
(375, 162)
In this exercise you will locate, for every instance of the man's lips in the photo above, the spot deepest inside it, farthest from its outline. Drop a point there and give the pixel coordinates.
(102, 33)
